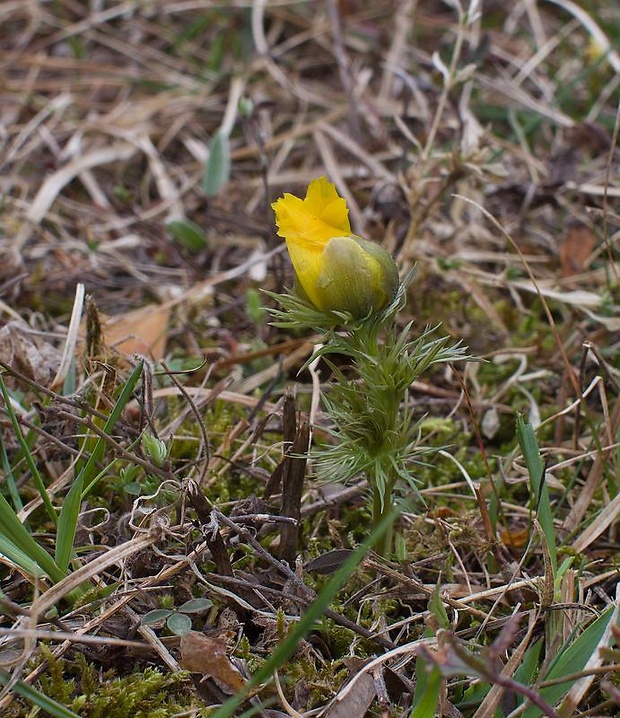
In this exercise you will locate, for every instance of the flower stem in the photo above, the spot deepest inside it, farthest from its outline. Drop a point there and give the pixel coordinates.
(380, 508)
(372, 417)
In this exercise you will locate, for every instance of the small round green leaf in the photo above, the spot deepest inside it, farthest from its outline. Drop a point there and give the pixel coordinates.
(196, 605)
(156, 616)
(179, 624)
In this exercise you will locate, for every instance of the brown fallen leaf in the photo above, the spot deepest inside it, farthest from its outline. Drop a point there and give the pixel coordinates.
(141, 331)
(208, 655)
(29, 353)
(356, 696)
(575, 249)
(515, 537)
(589, 136)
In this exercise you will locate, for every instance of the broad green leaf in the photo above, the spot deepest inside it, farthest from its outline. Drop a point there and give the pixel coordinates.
(426, 706)
(217, 169)
(187, 234)
(437, 608)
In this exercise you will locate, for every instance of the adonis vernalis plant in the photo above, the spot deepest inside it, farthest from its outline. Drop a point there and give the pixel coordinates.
(348, 290)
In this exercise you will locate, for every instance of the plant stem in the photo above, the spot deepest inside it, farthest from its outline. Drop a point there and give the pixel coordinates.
(380, 509)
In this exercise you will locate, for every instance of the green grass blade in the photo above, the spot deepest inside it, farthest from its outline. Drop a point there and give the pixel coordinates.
(67, 523)
(15, 554)
(49, 705)
(527, 668)
(68, 518)
(427, 705)
(90, 467)
(287, 647)
(572, 660)
(34, 471)
(9, 478)
(69, 386)
(538, 486)
(13, 529)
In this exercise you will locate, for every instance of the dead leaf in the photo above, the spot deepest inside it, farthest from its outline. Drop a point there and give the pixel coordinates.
(28, 353)
(141, 331)
(355, 701)
(575, 249)
(330, 561)
(515, 537)
(590, 136)
(209, 655)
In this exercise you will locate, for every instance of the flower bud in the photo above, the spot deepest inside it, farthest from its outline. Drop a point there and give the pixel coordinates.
(356, 276)
(335, 270)
(154, 448)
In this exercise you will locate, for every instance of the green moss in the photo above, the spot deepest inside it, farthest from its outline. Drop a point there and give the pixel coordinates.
(92, 693)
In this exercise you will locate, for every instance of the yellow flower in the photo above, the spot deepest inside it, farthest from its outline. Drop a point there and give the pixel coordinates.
(335, 270)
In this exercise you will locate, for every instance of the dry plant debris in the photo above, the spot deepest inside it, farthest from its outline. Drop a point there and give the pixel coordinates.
(141, 144)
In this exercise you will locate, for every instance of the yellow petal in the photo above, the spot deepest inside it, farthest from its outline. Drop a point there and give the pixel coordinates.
(323, 201)
(307, 259)
(315, 219)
